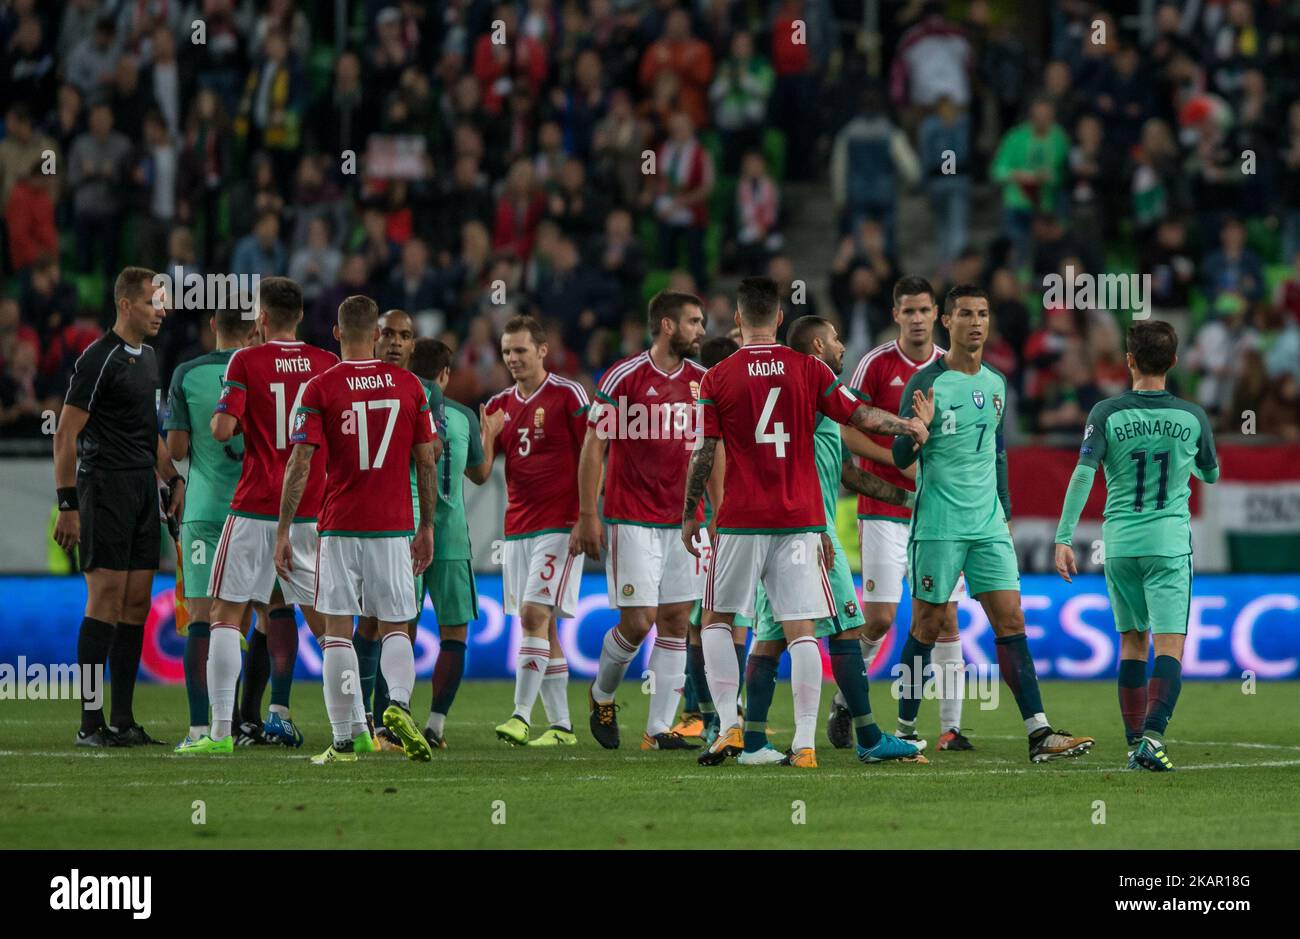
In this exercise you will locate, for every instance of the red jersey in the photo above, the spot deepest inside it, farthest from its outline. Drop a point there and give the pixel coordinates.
(763, 402)
(368, 416)
(263, 387)
(648, 417)
(880, 378)
(541, 438)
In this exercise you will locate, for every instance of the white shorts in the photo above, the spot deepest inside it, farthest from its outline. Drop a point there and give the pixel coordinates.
(244, 566)
(651, 567)
(789, 566)
(367, 577)
(884, 561)
(539, 569)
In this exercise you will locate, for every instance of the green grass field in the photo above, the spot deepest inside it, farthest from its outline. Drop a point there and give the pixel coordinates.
(1238, 784)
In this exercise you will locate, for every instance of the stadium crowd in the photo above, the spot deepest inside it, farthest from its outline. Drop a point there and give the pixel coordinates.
(413, 158)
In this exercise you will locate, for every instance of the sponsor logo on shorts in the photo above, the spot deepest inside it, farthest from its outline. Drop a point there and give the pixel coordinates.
(978, 397)
(546, 591)
(530, 664)
(927, 582)
(628, 590)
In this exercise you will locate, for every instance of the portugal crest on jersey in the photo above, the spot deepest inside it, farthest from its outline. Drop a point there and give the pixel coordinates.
(978, 397)
(997, 405)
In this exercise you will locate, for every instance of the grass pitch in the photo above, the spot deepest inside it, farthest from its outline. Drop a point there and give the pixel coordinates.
(1237, 785)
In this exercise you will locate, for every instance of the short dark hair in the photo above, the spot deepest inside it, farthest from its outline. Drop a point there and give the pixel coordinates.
(960, 291)
(396, 312)
(230, 321)
(910, 286)
(281, 300)
(1153, 345)
(803, 331)
(714, 350)
(526, 324)
(129, 282)
(758, 300)
(430, 357)
(358, 317)
(670, 304)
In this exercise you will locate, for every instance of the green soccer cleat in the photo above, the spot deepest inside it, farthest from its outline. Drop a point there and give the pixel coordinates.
(513, 732)
(554, 737)
(206, 744)
(334, 755)
(1150, 754)
(364, 743)
(398, 720)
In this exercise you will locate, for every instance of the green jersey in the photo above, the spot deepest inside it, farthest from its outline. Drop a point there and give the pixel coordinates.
(961, 482)
(461, 447)
(1149, 443)
(214, 467)
(829, 451)
(434, 394)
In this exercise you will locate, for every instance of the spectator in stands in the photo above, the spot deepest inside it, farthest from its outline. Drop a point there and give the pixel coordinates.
(23, 395)
(205, 164)
(503, 60)
(1215, 356)
(65, 346)
(621, 258)
(413, 287)
(945, 155)
(518, 212)
(380, 251)
(155, 174)
(1069, 396)
(129, 100)
(1122, 97)
(13, 331)
(260, 252)
(270, 111)
(864, 319)
(739, 95)
(757, 214)
(316, 264)
(799, 46)
(1288, 291)
(90, 65)
(871, 160)
(617, 143)
(22, 147)
(582, 105)
(1171, 264)
(65, 122)
(1290, 184)
(1233, 268)
(341, 116)
(318, 323)
(168, 81)
(932, 61)
(1058, 88)
(1010, 315)
(29, 69)
(796, 297)
(97, 168)
(1030, 165)
(679, 192)
(689, 58)
(29, 220)
(579, 209)
(576, 294)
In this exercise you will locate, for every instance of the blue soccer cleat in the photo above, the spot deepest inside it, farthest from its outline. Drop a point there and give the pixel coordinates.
(282, 730)
(891, 748)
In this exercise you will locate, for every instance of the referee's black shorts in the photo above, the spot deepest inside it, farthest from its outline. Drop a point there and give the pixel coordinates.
(119, 519)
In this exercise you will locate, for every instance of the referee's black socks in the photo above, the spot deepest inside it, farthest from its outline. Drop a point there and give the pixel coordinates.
(93, 642)
(123, 666)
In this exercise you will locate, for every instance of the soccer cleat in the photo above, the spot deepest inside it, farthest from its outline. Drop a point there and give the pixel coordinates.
(250, 734)
(555, 737)
(804, 757)
(603, 721)
(728, 743)
(1150, 754)
(206, 744)
(954, 740)
(668, 740)
(513, 731)
(334, 755)
(102, 737)
(839, 726)
(133, 736)
(282, 731)
(711, 726)
(914, 740)
(891, 748)
(398, 720)
(1048, 744)
(765, 756)
(386, 742)
(691, 725)
(365, 742)
(435, 742)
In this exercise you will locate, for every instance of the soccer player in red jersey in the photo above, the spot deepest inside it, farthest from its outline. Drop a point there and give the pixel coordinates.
(880, 378)
(263, 385)
(371, 418)
(762, 403)
(644, 417)
(539, 423)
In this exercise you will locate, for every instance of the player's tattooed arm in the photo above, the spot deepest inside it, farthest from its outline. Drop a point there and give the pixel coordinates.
(296, 472)
(697, 478)
(872, 420)
(873, 487)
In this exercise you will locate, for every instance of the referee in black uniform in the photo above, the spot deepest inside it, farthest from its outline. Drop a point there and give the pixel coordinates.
(109, 504)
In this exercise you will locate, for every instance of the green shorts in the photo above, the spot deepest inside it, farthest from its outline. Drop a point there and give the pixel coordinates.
(697, 616)
(450, 585)
(1150, 593)
(846, 615)
(198, 548)
(933, 567)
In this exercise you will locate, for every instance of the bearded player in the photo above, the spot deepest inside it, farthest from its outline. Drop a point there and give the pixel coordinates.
(880, 378)
(762, 403)
(539, 423)
(644, 418)
(371, 418)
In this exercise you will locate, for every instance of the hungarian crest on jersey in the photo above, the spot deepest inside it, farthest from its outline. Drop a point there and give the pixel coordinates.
(978, 397)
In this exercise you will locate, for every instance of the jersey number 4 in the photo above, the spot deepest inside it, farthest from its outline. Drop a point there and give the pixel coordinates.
(777, 435)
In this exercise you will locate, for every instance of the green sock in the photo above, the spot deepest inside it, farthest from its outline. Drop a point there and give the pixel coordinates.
(695, 672)
(851, 677)
(915, 658)
(381, 696)
(368, 662)
(196, 672)
(1162, 695)
(760, 678)
(740, 669)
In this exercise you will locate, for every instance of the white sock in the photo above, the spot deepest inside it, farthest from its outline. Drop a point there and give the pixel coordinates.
(198, 730)
(615, 652)
(870, 648)
(397, 661)
(950, 669)
(281, 710)
(224, 661)
(806, 683)
(359, 723)
(555, 693)
(722, 672)
(667, 678)
(435, 722)
(339, 670)
(530, 669)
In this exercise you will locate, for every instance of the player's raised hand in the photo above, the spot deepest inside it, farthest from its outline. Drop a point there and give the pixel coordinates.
(918, 431)
(923, 406)
(493, 422)
(690, 535)
(588, 537)
(421, 550)
(283, 555)
(1065, 562)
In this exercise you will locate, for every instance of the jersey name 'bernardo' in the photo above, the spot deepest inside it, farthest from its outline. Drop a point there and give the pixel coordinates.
(1150, 428)
(762, 367)
(369, 382)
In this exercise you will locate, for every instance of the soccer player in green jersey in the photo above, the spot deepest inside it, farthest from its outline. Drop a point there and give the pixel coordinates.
(961, 519)
(818, 337)
(1150, 445)
(449, 579)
